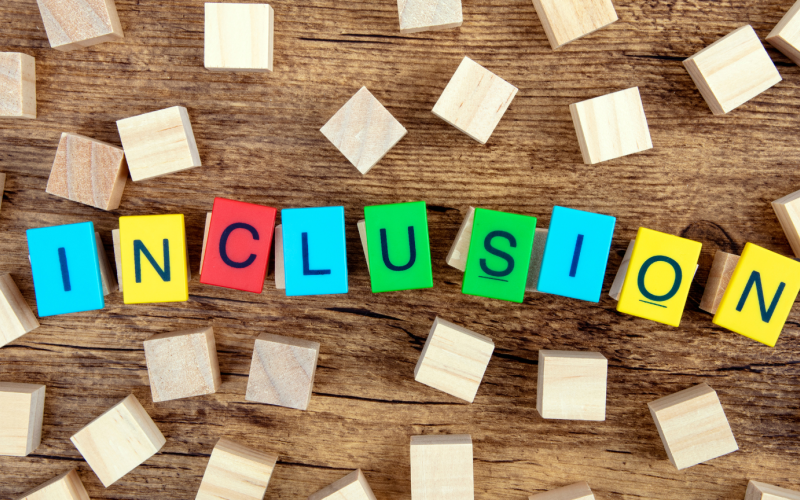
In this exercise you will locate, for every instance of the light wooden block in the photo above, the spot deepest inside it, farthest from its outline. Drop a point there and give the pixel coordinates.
(119, 440)
(718, 278)
(205, 240)
(363, 130)
(535, 265)
(236, 472)
(21, 412)
(362, 234)
(2, 188)
(619, 278)
(429, 15)
(572, 385)
(567, 20)
(611, 126)
(158, 143)
(282, 371)
(788, 211)
(16, 317)
(577, 491)
(457, 256)
(732, 70)
(763, 491)
(182, 364)
(353, 486)
(441, 467)
(474, 100)
(67, 486)
(239, 36)
(786, 34)
(693, 426)
(117, 256)
(71, 25)
(17, 85)
(106, 274)
(280, 274)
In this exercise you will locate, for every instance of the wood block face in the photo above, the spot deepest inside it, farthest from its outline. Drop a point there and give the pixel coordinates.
(786, 34)
(106, 274)
(71, 25)
(693, 426)
(788, 211)
(17, 85)
(611, 126)
(474, 100)
(535, 266)
(572, 385)
(362, 234)
(238, 37)
(117, 255)
(363, 130)
(16, 317)
(457, 256)
(280, 275)
(205, 241)
(353, 486)
(732, 70)
(763, 491)
(158, 143)
(441, 467)
(21, 411)
(182, 364)
(429, 15)
(567, 20)
(236, 472)
(282, 371)
(619, 278)
(67, 486)
(718, 278)
(119, 440)
(454, 360)
(577, 491)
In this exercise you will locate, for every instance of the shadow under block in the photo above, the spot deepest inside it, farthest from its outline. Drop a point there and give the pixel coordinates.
(572, 385)
(238, 37)
(577, 491)
(441, 467)
(117, 255)
(763, 491)
(693, 426)
(21, 411)
(535, 266)
(362, 234)
(760, 295)
(429, 15)
(182, 364)
(474, 100)
(363, 130)
(457, 256)
(619, 278)
(107, 279)
(454, 360)
(788, 211)
(732, 70)
(353, 486)
(16, 317)
(236, 472)
(158, 143)
(282, 371)
(611, 126)
(718, 278)
(17, 85)
(119, 440)
(786, 34)
(88, 171)
(71, 25)
(67, 486)
(567, 20)
(280, 272)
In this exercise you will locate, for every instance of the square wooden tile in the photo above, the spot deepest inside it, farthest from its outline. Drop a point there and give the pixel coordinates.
(238, 36)
(572, 385)
(429, 15)
(282, 371)
(182, 364)
(21, 412)
(17, 85)
(567, 20)
(235, 471)
(72, 25)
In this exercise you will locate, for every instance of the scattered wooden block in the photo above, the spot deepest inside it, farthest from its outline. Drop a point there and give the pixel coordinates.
(535, 266)
(577, 491)
(441, 467)
(619, 278)
(72, 25)
(457, 256)
(763, 491)
(16, 317)
(718, 278)
(21, 411)
(158, 143)
(353, 486)
(572, 385)
(117, 255)
(238, 37)
(17, 85)
(2, 188)
(280, 276)
(429, 15)
(362, 234)
(236, 472)
(282, 371)
(564, 22)
(363, 130)
(786, 34)
(106, 275)
(474, 100)
(692, 426)
(119, 440)
(205, 241)
(67, 486)
(732, 70)
(788, 211)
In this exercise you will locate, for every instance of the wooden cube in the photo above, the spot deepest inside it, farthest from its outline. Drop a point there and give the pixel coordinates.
(238, 36)
(611, 126)
(16, 317)
(732, 70)
(280, 273)
(718, 278)
(182, 364)
(119, 440)
(454, 360)
(236, 472)
(71, 25)
(572, 385)
(474, 100)
(619, 278)
(788, 211)
(67, 486)
(106, 275)
(786, 34)
(441, 467)
(21, 411)
(429, 15)
(457, 256)
(763, 491)
(692, 426)
(353, 486)
(577, 491)
(535, 265)
(17, 85)
(282, 371)
(117, 256)
(158, 143)
(565, 21)
(362, 234)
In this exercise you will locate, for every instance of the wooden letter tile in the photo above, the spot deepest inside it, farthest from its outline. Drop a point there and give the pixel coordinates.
(238, 37)
(457, 256)
(17, 85)
(21, 411)
(763, 491)
(282, 371)
(535, 266)
(429, 15)
(441, 467)
(568, 20)
(788, 211)
(106, 275)
(182, 364)
(236, 472)
(362, 233)
(67, 486)
(786, 34)
(572, 385)
(718, 278)
(71, 25)
(577, 491)
(353, 486)
(16, 317)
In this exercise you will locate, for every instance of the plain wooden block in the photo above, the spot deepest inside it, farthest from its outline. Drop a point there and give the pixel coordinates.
(441, 467)
(732, 70)
(182, 364)
(17, 85)
(119, 440)
(239, 36)
(693, 426)
(535, 265)
(71, 25)
(763, 491)
(236, 472)
(205, 240)
(280, 273)
(611, 126)
(21, 412)
(457, 256)
(619, 278)
(362, 234)
(572, 385)
(106, 274)
(474, 100)
(158, 143)
(282, 371)
(786, 34)
(718, 278)
(67, 486)
(117, 256)
(788, 211)
(353, 486)
(568, 20)
(577, 491)
(16, 317)
(429, 15)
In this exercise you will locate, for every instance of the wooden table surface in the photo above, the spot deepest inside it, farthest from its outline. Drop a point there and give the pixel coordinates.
(707, 178)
